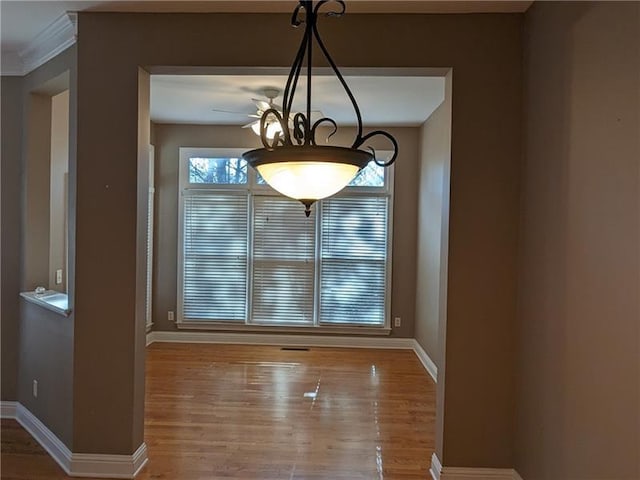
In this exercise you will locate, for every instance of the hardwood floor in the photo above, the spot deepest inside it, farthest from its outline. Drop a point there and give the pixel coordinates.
(254, 412)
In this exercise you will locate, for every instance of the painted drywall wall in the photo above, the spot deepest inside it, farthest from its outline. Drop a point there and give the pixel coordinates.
(11, 151)
(432, 245)
(485, 54)
(169, 139)
(579, 317)
(59, 170)
(435, 159)
(46, 356)
(45, 346)
(140, 325)
(35, 194)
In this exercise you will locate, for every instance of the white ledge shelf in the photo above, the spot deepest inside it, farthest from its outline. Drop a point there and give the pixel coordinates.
(51, 300)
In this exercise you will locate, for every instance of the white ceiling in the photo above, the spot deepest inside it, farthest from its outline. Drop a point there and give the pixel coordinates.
(21, 21)
(383, 100)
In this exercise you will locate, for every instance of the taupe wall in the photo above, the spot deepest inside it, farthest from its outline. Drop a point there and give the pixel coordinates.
(140, 327)
(35, 194)
(45, 346)
(433, 242)
(433, 195)
(46, 355)
(169, 138)
(10, 248)
(59, 169)
(579, 336)
(485, 54)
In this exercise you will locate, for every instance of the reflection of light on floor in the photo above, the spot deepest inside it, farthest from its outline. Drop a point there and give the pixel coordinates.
(313, 394)
(379, 462)
(378, 447)
(374, 382)
(273, 364)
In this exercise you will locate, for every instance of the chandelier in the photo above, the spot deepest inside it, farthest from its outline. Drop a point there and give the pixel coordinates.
(291, 161)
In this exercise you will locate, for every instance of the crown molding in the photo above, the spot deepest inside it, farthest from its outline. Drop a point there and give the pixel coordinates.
(54, 39)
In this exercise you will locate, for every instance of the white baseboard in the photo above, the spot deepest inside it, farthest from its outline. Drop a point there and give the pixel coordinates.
(426, 361)
(108, 466)
(436, 467)
(8, 409)
(76, 464)
(438, 472)
(296, 341)
(276, 339)
(45, 437)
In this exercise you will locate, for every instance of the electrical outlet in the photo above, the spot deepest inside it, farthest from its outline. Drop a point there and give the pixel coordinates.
(58, 276)
(397, 322)
(170, 316)
(35, 388)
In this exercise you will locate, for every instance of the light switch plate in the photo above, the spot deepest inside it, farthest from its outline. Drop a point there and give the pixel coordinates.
(58, 276)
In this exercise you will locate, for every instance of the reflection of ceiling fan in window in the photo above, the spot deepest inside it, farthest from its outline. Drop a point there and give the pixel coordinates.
(262, 106)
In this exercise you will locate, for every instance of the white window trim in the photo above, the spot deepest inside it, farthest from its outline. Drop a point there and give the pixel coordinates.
(150, 239)
(256, 189)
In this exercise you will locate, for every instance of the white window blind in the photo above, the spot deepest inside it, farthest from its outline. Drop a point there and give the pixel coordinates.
(353, 260)
(215, 256)
(283, 262)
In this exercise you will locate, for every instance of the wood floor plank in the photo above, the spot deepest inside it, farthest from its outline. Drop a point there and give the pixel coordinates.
(259, 412)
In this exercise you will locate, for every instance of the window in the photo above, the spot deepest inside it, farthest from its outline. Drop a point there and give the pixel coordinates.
(372, 176)
(249, 256)
(214, 276)
(353, 260)
(283, 262)
(217, 170)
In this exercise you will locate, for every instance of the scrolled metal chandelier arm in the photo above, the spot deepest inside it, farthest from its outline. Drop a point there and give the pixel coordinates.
(390, 137)
(334, 67)
(294, 73)
(298, 130)
(264, 123)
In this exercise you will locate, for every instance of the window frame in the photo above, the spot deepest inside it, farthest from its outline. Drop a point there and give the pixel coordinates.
(253, 188)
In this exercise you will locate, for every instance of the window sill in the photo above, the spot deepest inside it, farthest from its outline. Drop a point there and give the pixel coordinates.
(311, 329)
(51, 300)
